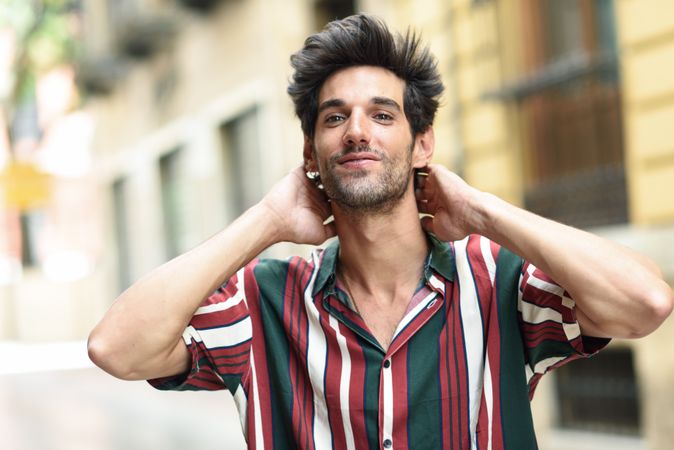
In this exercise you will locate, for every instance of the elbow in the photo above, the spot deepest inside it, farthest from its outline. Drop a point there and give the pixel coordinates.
(659, 303)
(662, 303)
(101, 352)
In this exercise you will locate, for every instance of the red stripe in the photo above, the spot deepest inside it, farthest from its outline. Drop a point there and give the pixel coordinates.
(221, 319)
(304, 394)
(460, 385)
(290, 315)
(356, 388)
(494, 354)
(297, 327)
(444, 373)
(482, 423)
(333, 376)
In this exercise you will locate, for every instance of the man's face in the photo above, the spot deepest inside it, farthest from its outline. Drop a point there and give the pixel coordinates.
(363, 145)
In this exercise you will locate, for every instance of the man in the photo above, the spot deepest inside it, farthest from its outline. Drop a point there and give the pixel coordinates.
(403, 333)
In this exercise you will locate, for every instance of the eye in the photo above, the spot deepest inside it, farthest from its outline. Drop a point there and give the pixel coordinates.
(386, 117)
(334, 118)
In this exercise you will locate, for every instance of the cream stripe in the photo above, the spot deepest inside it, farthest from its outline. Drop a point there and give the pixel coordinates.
(344, 384)
(241, 402)
(436, 283)
(529, 373)
(387, 431)
(535, 314)
(543, 285)
(413, 313)
(232, 301)
(489, 399)
(259, 432)
(226, 336)
(316, 355)
(488, 257)
(548, 287)
(488, 388)
(472, 330)
(545, 364)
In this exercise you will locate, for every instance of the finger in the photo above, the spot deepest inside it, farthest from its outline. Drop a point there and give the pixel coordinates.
(427, 224)
(420, 179)
(422, 206)
(330, 229)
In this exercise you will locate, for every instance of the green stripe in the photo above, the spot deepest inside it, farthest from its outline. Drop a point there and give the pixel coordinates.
(424, 420)
(373, 361)
(271, 277)
(550, 349)
(516, 420)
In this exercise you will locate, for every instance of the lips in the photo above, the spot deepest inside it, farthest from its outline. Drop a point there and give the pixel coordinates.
(356, 157)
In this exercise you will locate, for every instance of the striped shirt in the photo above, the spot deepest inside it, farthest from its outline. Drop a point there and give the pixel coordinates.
(305, 372)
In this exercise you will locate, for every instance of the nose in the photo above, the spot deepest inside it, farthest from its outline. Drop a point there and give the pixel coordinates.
(357, 133)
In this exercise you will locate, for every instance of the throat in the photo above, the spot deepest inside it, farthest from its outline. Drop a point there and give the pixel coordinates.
(382, 322)
(381, 317)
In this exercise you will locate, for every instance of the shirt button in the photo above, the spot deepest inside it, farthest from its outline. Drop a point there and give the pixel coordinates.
(387, 364)
(387, 443)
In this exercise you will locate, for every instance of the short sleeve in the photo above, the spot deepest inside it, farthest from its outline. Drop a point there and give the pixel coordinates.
(550, 329)
(218, 338)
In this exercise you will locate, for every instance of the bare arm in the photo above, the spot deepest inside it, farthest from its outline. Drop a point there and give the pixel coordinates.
(618, 292)
(140, 336)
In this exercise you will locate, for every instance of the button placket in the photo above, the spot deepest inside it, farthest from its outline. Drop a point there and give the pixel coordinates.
(387, 404)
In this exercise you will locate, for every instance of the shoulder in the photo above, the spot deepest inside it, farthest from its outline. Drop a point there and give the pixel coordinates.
(484, 257)
(271, 270)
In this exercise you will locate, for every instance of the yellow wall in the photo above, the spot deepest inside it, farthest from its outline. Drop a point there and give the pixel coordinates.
(646, 35)
(484, 55)
(491, 160)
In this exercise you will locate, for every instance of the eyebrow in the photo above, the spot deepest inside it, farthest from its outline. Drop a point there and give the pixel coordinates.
(336, 103)
(332, 103)
(385, 101)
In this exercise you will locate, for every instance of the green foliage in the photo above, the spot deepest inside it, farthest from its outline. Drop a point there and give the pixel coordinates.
(45, 32)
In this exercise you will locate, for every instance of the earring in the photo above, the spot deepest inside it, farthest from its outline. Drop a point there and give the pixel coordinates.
(315, 177)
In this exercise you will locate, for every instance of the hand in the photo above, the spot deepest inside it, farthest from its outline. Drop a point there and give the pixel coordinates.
(449, 201)
(299, 210)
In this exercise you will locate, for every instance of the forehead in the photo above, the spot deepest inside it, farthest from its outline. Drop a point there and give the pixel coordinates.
(362, 83)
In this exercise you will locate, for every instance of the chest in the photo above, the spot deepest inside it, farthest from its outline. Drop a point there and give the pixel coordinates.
(382, 321)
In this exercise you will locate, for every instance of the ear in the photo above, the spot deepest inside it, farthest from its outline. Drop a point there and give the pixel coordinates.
(308, 154)
(424, 145)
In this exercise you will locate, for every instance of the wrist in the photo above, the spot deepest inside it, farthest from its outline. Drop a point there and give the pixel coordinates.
(484, 211)
(268, 222)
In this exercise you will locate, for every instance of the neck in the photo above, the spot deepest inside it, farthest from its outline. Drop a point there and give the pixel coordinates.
(382, 253)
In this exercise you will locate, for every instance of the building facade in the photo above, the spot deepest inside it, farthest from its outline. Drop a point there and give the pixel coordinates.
(563, 108)
(560, 107)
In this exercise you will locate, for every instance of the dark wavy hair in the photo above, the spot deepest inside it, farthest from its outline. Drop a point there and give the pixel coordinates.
(363, 40)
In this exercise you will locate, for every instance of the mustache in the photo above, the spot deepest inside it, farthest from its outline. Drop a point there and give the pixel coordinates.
(357, 149)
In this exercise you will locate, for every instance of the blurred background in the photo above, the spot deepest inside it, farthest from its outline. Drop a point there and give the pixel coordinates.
(131, 130)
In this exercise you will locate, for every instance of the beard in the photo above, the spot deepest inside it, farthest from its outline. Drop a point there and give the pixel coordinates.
(362, 191)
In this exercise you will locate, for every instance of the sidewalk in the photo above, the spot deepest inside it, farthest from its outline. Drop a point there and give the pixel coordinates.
(84, 408)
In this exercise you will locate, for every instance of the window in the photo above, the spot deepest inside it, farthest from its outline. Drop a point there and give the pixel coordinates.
(570, 108)
(600, 394)
(241, 163)
(32, 223)
(174, 198)
(120, 203)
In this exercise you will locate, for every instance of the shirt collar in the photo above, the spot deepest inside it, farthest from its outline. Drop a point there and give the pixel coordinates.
(440, 260)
